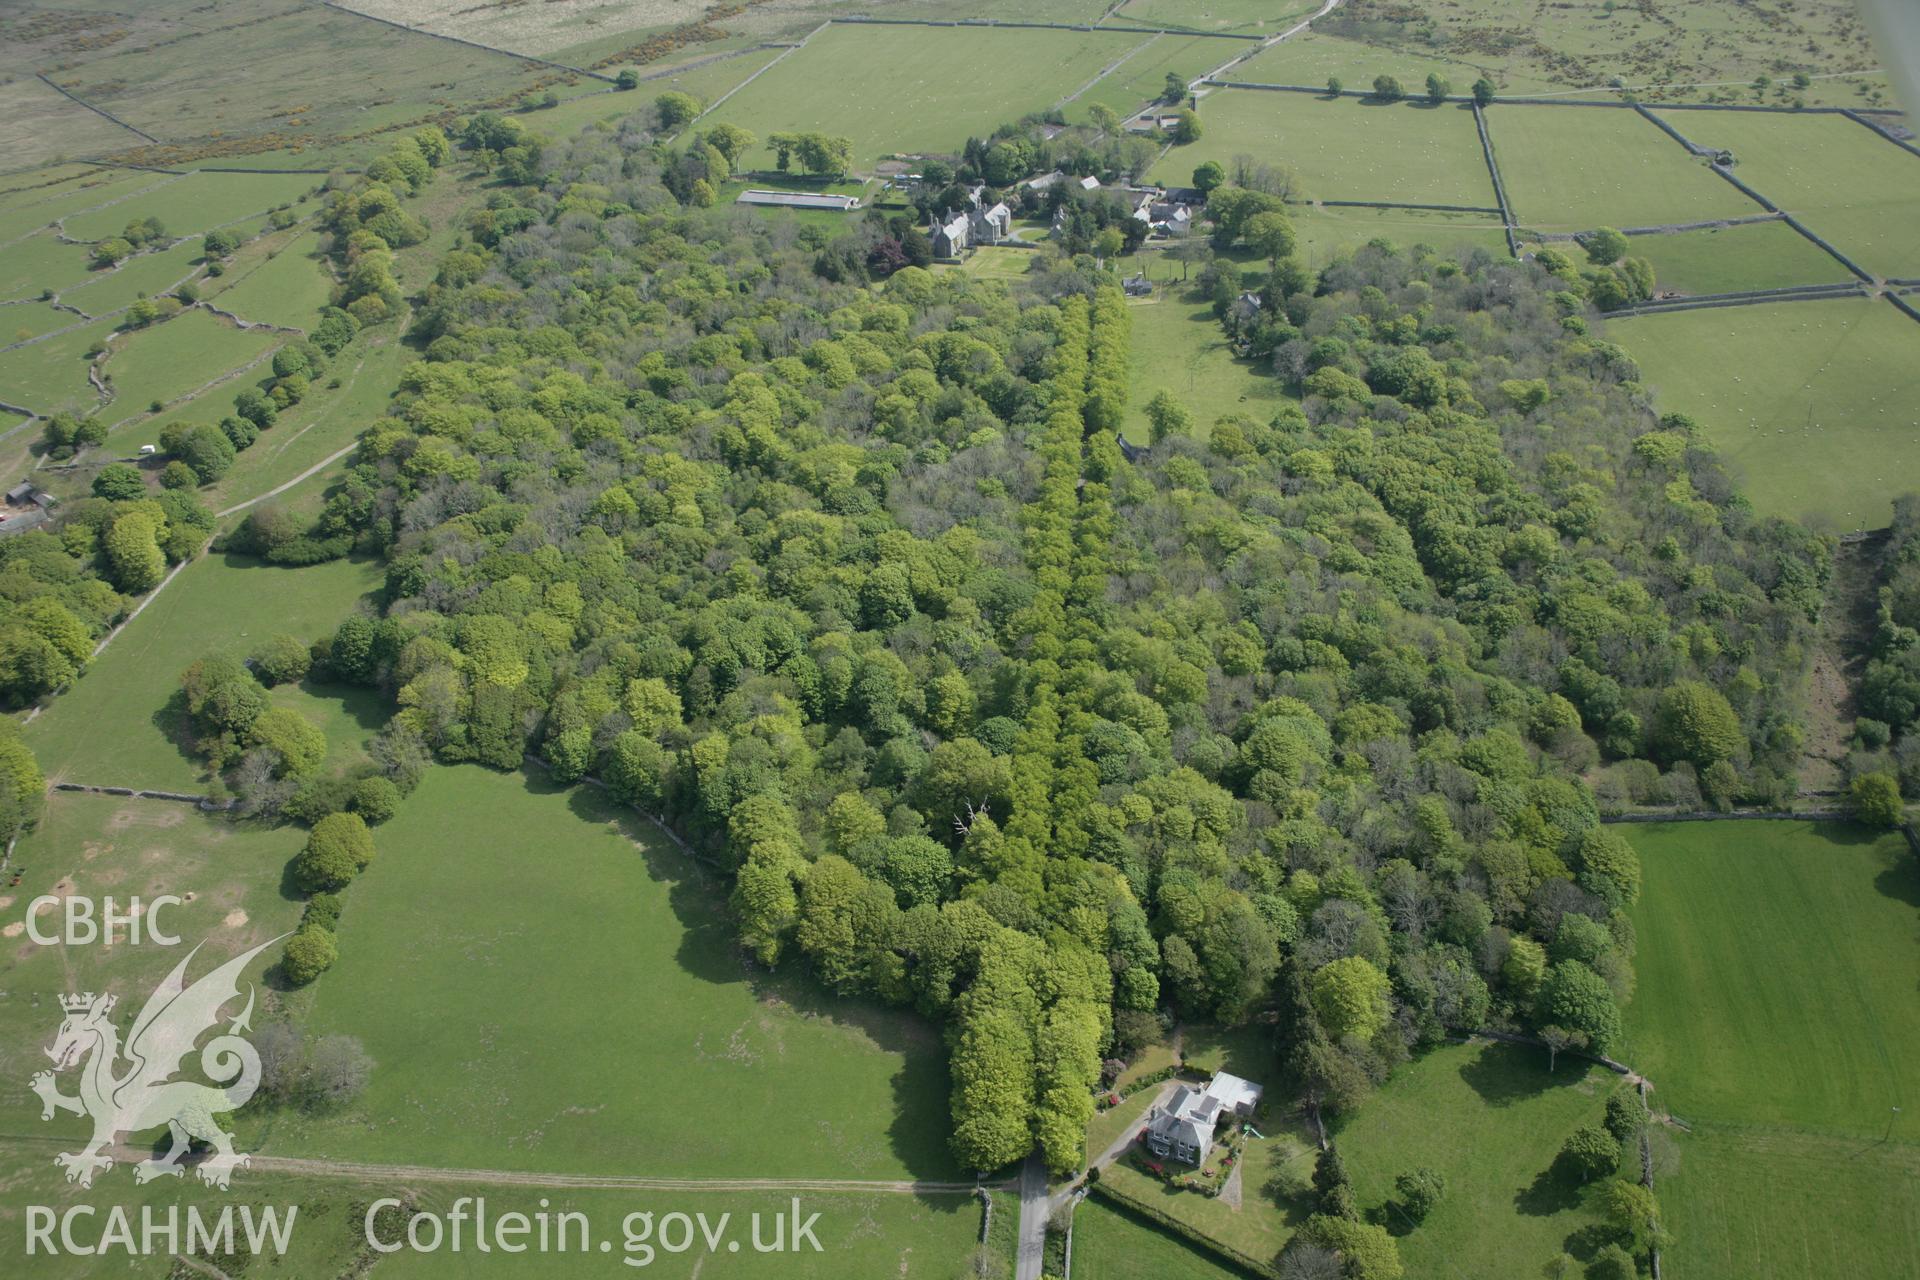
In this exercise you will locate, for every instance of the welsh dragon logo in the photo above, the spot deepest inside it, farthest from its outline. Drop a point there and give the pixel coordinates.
(142, 1094)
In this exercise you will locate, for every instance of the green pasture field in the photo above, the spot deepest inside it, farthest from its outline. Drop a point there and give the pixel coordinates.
(196, 202)
(1690, 52)
(61, 193)
(35, 263)
(1576, 168)
(1782, 1206)
(1754, 255)
(1179, 347)
(1345, 149)
(1775, 1015)
(288, 288)
(38, 125)
(706, 82)
(1109, 1243)
(1323, 233)
(1490, 1119)
(1143, 76)
(23, 320)
(1848, 184)
(141, 276)
(1776, 964)
(115, 726)
(578, 973)
(92, 846)
(51, 375)
(913, 97)
(1813, 403)
(168, 360)
(1312, 56)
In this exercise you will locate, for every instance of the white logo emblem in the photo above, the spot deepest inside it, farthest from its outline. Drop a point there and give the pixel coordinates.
(142, 1094)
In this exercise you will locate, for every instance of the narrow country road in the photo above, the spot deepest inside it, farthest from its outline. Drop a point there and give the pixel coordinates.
(1034, 1206)
(1037, 1206)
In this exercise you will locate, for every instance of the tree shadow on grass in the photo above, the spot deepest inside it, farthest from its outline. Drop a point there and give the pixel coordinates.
(1556, 1189)
(710, 951)
(1503, 1074)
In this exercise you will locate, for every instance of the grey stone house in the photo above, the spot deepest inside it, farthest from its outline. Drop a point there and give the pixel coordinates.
(1183, 1129)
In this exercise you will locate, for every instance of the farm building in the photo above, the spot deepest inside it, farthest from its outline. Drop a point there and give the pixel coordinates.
(799, 200)
(21, 494)
(1183, 1129)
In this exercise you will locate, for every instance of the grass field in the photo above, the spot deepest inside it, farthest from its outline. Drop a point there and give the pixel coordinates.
(1813, 403)
(1775, 1014)
(288, 288)
(1756, 255)
(194, 203)
(35, 263)
(1143, 76)
(59, 192)
(1490, 1119)
(22, 320)
(1784, 1206)
(113, 727)
(913, 94)
(1110, 1243)
(1179, 347)
(1776, 966)
(1312, 56)
(175, 357)
(52, 375)
(1349, 149)
(1848, 184)
(1321, 233)
(140, 276)
(579, 975)
(1570, 169)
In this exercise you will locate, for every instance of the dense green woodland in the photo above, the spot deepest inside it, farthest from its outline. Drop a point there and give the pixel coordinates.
(849, 582)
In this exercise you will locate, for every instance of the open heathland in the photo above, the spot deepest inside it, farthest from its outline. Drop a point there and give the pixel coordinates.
(1753, 255)
(1688, 52)
(1490, 1119)
(117, 727)
(1811, 403)
(579, 1020)
(1851, 186)
(913, 96)
(1343, 149)
(1576, 168)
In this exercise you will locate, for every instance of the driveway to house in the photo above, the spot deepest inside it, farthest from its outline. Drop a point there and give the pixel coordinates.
(1037, 1206)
